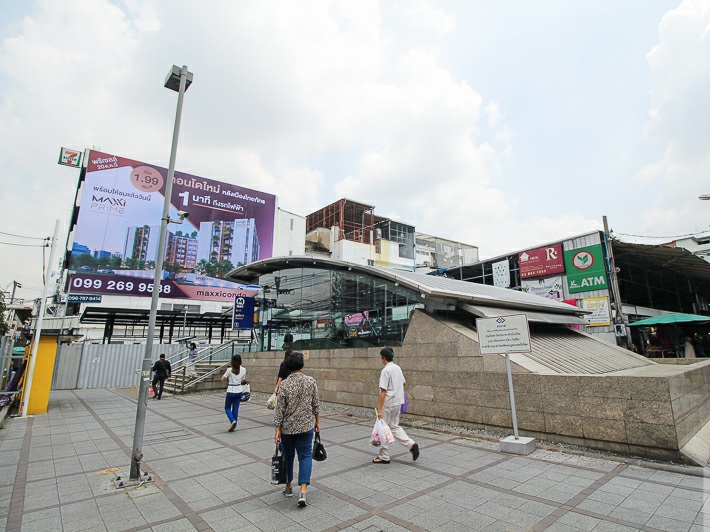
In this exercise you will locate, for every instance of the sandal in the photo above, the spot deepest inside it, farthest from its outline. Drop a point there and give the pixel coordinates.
(379, 460)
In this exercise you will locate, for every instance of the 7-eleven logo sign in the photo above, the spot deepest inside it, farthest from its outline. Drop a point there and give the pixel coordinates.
(69, 157)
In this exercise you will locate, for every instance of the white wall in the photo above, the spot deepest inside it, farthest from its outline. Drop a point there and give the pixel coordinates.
(289, 234)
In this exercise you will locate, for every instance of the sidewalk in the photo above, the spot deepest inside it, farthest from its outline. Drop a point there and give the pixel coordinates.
(57, 472)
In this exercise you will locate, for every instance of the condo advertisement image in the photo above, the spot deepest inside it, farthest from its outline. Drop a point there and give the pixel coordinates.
(118, 227)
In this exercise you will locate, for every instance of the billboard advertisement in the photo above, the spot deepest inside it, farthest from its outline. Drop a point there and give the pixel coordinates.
(243, 315)
(118, 224)
(585, 269)
(541, 261)
(550, 287)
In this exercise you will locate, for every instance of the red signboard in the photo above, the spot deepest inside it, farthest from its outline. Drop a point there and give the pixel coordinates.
(541, 261)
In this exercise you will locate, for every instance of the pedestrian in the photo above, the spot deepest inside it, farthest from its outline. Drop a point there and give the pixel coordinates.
(391, 398)
(191, 360)
(162, 372)
(296, 418)
(283, 372)
(236, 375)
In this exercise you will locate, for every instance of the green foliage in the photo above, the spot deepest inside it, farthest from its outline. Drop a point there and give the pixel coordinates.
(214, 268)
(3, 324)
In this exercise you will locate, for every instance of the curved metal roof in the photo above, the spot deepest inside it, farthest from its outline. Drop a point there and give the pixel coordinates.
(441, 289)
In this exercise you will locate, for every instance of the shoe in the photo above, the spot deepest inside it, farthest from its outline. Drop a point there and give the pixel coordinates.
(302, 500)
(232, 426)
(415, 451)
(379, 460)
(288, 492)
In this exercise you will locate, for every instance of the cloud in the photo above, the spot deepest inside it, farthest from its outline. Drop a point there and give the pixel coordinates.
(423, 15)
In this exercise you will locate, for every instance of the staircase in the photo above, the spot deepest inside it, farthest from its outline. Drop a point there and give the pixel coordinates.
(212, 362)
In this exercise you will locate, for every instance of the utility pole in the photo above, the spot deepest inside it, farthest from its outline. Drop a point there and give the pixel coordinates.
(620, 317)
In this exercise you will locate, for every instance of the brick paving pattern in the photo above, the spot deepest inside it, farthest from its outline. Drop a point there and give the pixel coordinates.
(56, 473)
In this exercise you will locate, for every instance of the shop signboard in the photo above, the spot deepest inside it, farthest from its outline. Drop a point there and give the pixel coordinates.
(585, 269)
(599, 307)
(243, 317)
(83, 298)
(549, 287)
(117, 226)
(541, 262)
(70, 157)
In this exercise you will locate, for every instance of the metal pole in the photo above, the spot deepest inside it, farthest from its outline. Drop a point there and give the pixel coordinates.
(616, 294)
(27, 388)
(137, 453)
(512, 396)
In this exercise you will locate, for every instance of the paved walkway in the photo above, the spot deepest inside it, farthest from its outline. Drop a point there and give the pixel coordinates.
(56, 474)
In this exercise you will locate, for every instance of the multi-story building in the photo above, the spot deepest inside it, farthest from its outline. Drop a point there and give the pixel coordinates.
(181, 249)
(236, 241)
(141, 243)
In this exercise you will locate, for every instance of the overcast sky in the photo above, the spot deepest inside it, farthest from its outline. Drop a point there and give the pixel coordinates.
(502, 124)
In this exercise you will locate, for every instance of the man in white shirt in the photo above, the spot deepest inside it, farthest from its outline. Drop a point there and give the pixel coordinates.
(391, 398)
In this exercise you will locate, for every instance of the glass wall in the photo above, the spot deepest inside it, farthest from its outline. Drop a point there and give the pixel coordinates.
(309, 308)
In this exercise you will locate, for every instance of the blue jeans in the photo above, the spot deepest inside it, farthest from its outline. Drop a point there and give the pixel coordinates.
(303, 445)
(231, 406)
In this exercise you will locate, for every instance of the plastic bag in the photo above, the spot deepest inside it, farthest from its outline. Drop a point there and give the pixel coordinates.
(246, 393)
(271, 402)
(375, 439)
(385, 431)
(278, 466)
(405, 406)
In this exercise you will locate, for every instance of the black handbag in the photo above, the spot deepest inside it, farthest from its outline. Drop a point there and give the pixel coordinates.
(319, 453)
(278, 466)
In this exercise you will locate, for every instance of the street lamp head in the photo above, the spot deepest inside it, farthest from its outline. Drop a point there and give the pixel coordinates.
(172, 82)
(704, 197)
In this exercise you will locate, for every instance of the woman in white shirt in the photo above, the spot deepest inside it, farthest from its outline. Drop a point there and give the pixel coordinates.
(236, 376)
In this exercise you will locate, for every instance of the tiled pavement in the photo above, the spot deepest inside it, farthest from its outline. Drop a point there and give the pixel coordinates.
(55, 474)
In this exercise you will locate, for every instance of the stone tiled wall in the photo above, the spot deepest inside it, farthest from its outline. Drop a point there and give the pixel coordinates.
(448, 381)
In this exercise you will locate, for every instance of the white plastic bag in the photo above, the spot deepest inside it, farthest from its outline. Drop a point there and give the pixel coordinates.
(385, 431)
(271, 402)
(375, 439)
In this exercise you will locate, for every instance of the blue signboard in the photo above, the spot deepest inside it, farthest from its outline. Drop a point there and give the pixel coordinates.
(243, 317)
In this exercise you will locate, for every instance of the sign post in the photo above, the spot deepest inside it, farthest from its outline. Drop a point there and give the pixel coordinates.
(505, 335)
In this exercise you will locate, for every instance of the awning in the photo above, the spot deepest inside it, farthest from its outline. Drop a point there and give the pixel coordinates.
(536, 317)
(672, 318)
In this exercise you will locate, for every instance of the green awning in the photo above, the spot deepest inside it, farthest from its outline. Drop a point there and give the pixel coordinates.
(672, 318)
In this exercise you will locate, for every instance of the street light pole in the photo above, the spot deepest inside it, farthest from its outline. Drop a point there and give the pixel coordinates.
(178, 80)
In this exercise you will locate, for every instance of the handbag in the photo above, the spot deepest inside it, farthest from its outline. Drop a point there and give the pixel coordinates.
(278, 466)
(319, 453)
(271, 402)
(405, 406)
(246, 392)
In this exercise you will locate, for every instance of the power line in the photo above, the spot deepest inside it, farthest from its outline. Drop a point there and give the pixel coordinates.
(26, 245)
(22, 236)
(667, 237)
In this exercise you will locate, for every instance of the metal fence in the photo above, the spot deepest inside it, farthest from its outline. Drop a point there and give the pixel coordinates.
(79, 366)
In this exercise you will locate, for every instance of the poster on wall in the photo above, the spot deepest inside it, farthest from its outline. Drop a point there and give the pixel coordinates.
(599, 307)
(118, 224)
(501, 274)
(541, 262)
(549, 287)
(585, 269)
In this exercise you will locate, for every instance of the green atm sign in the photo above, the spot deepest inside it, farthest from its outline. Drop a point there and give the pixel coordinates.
(585, 269)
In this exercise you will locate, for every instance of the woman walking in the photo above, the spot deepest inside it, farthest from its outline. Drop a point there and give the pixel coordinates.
(236, 376)
(296, 417)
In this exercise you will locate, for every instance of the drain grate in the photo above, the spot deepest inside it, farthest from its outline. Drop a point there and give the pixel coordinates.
(168, 436)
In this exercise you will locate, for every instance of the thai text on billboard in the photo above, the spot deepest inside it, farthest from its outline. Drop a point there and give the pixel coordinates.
(543, 261)
(118, 222)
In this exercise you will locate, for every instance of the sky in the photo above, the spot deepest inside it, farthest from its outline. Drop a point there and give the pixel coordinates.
(505, 125)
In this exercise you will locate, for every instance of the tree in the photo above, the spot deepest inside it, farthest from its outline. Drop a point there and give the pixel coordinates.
(3, 324)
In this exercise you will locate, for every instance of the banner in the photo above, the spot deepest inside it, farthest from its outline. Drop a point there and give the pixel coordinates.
(585, 269)
(551, 287)
(119, 218)
(501, 274)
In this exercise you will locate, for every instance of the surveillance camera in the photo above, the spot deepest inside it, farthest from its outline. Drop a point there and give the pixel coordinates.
(183, 214)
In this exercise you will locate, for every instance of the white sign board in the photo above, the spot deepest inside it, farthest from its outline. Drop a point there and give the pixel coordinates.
(504, 334)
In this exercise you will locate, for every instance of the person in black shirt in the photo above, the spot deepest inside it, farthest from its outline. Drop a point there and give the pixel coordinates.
(283, 372)
(162, 372)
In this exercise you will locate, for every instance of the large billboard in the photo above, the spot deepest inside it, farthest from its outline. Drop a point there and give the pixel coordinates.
(118, 224)
(585, 269)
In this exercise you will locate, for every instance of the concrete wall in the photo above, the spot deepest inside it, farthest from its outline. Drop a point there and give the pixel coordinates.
(448, 381)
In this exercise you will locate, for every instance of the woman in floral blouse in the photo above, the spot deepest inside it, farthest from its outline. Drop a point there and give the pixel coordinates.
(296, 417)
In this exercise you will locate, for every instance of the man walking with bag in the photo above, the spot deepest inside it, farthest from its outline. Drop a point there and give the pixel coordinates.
(391, 399)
